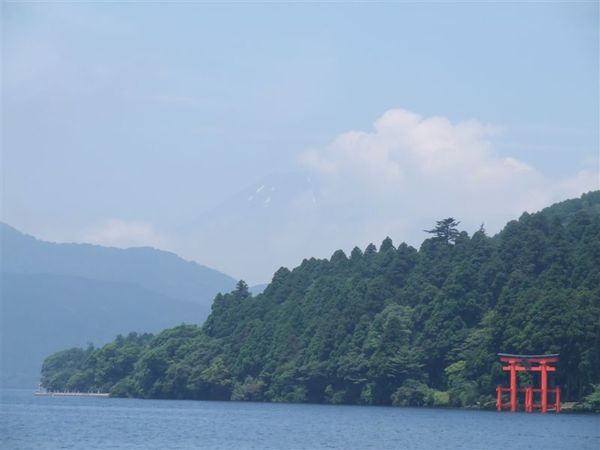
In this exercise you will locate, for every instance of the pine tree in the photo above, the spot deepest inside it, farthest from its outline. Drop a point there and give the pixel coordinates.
(445, 230)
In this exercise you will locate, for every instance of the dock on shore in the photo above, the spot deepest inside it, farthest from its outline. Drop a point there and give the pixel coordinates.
(70, 394)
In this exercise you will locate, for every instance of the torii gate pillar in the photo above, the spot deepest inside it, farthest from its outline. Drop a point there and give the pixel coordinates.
(513, 386)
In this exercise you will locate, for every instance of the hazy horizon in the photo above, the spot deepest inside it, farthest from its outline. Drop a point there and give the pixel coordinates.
(250, 136)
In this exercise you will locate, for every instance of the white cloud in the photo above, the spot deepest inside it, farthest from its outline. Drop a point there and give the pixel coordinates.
(121, 233)
(410, 170)
(572, 186)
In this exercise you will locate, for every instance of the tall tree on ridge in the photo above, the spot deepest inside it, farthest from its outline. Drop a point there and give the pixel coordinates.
(445, 230)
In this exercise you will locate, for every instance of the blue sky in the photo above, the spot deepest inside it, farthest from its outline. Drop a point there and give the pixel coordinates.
(130, 124)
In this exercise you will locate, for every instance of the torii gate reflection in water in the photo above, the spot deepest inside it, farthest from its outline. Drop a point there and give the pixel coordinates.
(533, 363)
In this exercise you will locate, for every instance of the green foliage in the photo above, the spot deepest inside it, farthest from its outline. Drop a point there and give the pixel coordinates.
(439, 398)
(591, 402)
(125, 387)
(63, 370)
(411, 393)
(251, 389)
(391, 326)
(334, 397)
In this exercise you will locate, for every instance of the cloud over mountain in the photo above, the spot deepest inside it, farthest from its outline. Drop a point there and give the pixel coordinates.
(411, 166)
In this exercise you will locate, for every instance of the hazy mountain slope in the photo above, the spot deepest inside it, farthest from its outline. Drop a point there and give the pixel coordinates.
(275, 221)
(156, 270)
(55, 295)
(40, 314)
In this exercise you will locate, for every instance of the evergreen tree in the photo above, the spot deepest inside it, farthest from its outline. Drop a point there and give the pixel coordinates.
(445, 230)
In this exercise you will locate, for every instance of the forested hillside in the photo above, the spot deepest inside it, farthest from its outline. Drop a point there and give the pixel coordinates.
(387, 325)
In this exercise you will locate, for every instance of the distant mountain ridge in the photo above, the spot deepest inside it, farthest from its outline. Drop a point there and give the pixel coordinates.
(56, 295)
(153, 269)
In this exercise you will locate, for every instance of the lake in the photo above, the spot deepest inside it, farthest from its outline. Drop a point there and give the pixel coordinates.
(28, 422)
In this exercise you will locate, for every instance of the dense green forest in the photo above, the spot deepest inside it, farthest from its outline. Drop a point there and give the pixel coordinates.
(393, 325)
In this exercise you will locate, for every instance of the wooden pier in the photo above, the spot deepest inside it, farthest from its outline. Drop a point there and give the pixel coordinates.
(70, 394)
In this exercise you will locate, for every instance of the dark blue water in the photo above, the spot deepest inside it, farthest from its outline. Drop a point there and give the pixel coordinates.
(28, 422)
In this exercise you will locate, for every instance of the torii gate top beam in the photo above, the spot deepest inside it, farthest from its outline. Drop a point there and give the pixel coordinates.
(549, 358)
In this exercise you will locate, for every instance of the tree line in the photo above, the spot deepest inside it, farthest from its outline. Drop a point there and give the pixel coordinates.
(392, 325)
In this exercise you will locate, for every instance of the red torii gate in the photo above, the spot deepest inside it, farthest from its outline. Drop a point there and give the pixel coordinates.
(533, 363)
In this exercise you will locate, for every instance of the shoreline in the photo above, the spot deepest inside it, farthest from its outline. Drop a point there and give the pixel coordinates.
(71, 394)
